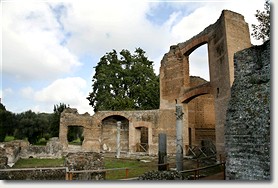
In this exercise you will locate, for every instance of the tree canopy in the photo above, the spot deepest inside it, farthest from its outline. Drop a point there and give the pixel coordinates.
(262, 30)
(30, 125)
(125, 82)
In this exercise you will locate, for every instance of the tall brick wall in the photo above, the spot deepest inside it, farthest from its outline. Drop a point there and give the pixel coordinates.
(204, 104)
(247, 129)
(226, 36)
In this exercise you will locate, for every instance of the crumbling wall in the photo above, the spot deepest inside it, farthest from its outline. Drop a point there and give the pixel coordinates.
(247, 129)
(13, 150)
(226, 36)
(3, 158)
(85, 161)
(33, 174)
(53, 149)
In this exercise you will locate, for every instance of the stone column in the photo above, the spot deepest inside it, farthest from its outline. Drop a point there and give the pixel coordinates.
(179, 137)
(162, 151)
(118, 139)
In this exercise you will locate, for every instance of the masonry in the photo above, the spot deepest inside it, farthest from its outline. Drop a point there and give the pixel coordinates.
(204, 102)
(248, 130)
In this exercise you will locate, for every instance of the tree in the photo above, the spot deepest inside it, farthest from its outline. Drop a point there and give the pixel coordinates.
(262, 30)
(127, 82)
(7, 123)
(55, 122)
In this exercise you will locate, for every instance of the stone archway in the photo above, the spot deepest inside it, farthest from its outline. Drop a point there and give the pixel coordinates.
(229, 34)
(109, 133)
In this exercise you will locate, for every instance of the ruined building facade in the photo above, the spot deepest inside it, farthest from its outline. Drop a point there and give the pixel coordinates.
(204, 103)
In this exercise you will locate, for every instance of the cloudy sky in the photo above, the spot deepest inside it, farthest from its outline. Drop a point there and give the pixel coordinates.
(50, 48)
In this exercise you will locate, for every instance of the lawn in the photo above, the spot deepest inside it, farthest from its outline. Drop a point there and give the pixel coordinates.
(36, 163)
(135, 167)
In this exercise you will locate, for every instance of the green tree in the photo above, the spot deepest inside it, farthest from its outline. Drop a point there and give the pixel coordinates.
(127, 82)
(7, 123)
(55, 120)
(32, 126)
(262, 30)
(2, 123)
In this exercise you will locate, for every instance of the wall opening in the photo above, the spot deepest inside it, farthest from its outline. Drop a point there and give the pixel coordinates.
(109, 134)
(198, 63)
(142, 141)
(201, 120)
(75, 135)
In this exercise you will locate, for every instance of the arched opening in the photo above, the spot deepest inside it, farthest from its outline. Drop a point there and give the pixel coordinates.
(198, 63)
(201, 112)
(201, 121)
(110, 133)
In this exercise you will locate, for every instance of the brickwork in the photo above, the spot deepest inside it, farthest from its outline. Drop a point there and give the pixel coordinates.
(226, 36)
(204, 103)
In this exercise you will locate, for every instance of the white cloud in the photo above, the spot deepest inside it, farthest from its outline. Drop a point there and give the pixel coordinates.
(31, 43)
(70, 90)
(98, 27)
(27, 92)
(7, 91)
(36, 44)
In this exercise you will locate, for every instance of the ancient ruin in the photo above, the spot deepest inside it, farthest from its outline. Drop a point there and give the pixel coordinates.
(204, 103)
(248, 128)
(193, 112)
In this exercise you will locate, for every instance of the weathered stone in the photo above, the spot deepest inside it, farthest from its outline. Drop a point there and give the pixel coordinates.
(13, 150)
(53, 149)
(86, 161)
(3, 158)
(247, 129)
(204, 103)
(33, 174)
(161, 175)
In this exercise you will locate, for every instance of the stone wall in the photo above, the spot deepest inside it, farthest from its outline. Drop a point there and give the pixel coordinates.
(204, 103)
(33, 174)
(247, 129)
(53, 149)
(13, 149)
(3, 158)
(226, 36)
(85, 161)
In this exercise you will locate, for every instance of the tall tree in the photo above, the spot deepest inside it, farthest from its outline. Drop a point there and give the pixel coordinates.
(7, 123)
(262, 30)
(127, 82)
(55, 121)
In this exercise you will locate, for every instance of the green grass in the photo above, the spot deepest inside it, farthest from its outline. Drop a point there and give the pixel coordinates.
(36, 163)
(41, 142)
(9, 138)
(136, 168)
(76, 142)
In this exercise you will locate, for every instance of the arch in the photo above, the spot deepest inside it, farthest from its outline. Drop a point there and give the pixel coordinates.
(194, 43)
(195, 92)
(109, 133)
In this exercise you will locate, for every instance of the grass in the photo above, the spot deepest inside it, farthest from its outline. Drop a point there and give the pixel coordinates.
(41, 142)
(76, 142)
(9, 138)
(36, 163)
(136, 168)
